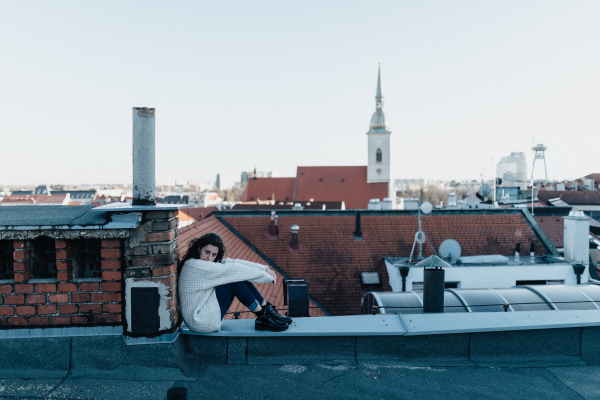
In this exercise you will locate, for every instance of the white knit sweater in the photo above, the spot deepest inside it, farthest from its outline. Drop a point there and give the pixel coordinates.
(199, 305)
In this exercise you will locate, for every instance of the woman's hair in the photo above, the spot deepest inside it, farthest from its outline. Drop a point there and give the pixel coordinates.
(198, 244)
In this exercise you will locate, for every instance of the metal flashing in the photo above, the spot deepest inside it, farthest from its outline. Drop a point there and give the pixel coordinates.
(124, 207)
(60, 332)
(539, 231)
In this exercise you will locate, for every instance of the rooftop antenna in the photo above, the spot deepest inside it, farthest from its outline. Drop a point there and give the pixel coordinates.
(420, 236)
(540, 154)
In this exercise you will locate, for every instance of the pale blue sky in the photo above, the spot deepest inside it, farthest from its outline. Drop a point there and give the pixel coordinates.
(278, 84)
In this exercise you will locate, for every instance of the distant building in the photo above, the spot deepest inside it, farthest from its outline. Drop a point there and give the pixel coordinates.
(224, 181)
(356, 186)
(513, 170)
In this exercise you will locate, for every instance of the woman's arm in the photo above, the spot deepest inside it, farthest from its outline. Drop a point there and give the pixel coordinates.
(252, 265)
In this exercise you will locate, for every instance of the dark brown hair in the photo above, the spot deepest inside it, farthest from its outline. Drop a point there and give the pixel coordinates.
(198, 244)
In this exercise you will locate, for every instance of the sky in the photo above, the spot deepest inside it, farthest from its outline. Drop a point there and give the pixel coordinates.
(274, 85)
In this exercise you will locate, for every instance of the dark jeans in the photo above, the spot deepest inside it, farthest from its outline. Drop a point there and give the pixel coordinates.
(246, 293)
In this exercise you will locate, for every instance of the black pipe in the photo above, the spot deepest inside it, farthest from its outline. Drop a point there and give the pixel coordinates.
(357, 230)
(433, 290)
(404, 273)
(177, 393)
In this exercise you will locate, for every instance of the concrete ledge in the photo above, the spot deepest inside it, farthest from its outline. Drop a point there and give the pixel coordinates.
(352, 325)
(540, 348)
(301, 350)
(590, 345)
(445, 350)
(435, 324)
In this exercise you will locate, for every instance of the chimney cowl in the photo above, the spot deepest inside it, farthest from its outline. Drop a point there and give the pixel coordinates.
(295, 228)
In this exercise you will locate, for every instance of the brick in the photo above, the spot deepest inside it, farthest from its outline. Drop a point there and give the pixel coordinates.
(141, 251)
(65, 265)
(22, 276)
(158, 226)
(80, 297)
(165, 259)
(46, 309)
(61, 320)
(111, 243)
(25, 310)
(82, 319)
(89, 287)
(111, 275)
(160, 236)
(168, 281)
(39, 321)
(175, 213)
(2, 321)
(158, 215)
(19, 244)
(22, 254)
(67, 287)
(112, 308)
(110, 253)
(24, 288)
(14, 299)
(90, 308)
(19, 321)
(7, 311)
(64, 276)
(107, 319)
(64, 254)
(106, 297)
(111, 264)
(164, 248)
(163, 271)
(68, 309)
(62, 243)
(111, 286)
(59, 298)
(21, 265)
(36, 299)
(5, 289)
(45, 288)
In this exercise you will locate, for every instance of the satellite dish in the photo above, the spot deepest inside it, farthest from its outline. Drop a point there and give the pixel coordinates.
(426, 208)
(450, 248)
(485, 190)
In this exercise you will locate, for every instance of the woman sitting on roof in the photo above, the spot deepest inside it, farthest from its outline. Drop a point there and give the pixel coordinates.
(208, 284)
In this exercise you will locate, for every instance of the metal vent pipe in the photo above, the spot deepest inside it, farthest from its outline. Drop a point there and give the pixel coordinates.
(143, 157)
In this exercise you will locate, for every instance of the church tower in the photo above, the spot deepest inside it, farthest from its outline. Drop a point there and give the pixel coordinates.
(378, 169)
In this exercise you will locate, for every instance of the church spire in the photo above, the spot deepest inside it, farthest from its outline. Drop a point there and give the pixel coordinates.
(378, 120)
(378, 96)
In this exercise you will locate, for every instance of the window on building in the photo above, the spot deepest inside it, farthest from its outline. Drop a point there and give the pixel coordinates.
(6, 259)
(86, 258)
(379, 155)
(43, 258)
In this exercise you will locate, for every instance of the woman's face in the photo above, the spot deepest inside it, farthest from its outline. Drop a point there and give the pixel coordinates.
(209, 252)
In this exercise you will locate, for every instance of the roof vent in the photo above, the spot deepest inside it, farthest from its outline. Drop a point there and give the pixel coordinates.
(294, 243)
(273, 228)
(298, 207)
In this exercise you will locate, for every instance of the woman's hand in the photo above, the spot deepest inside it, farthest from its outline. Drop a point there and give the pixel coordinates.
(272, 273)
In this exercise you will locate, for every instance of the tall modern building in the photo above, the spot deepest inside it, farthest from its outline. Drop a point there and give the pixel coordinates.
(513, 170)
(224, 181)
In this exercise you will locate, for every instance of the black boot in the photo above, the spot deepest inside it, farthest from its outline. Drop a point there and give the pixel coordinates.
(273, 311)
(266, 322)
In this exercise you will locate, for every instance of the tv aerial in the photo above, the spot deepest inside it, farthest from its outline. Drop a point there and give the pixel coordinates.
(420, 237)
(450, 249)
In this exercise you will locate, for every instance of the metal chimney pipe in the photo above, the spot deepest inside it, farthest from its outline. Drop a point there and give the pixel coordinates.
(143, 156)
(433, 290)
(357, 229)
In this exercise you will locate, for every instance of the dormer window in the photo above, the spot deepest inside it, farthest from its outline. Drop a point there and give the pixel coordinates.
(378, 155)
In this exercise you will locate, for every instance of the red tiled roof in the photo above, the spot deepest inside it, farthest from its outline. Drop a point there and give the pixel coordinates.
(348, 184)
(198, 213)
(553, 226)
(331, 260)
(282, 205)
(575, 197)
(236, 248)
(266, 188)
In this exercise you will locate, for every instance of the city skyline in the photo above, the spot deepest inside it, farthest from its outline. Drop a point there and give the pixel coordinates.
(278, 86)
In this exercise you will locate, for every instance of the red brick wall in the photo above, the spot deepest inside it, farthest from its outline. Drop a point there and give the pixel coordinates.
(64, 301)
